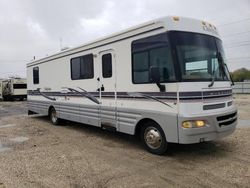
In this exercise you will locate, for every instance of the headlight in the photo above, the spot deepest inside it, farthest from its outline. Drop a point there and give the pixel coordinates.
(193, 124)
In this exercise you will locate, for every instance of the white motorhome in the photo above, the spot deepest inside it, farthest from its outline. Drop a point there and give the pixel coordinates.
(14, 89)
(165, 80)
(1, 90)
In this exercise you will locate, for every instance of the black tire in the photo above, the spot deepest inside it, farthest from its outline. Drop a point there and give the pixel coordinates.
(153, 138)
(53, 116)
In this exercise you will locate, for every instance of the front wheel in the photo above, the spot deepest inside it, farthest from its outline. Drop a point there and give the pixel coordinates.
(53, 116)
(153, 138)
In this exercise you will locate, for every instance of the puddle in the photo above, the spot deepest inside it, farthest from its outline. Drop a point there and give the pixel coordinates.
(243, 123)
(4, 148)
(5, 144)
(19, 139)
(6, 126)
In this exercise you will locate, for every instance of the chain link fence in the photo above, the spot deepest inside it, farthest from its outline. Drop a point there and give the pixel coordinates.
(241, 87)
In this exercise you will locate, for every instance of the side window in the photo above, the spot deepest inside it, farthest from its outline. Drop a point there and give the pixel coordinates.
(107, 66)
(75, 68)
(82, 67)
(19, 86)
(140, 67)
(87, 68)
(36, 75)
(150, 52)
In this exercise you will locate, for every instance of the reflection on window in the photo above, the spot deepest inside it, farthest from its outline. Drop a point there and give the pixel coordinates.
(198, 56)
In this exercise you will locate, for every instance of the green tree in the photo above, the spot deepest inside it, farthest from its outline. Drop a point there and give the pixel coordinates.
(240, 75)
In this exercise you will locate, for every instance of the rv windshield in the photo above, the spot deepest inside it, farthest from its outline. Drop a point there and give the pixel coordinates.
(200, 57)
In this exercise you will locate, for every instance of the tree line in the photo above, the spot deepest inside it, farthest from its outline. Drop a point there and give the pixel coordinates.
(240, 75)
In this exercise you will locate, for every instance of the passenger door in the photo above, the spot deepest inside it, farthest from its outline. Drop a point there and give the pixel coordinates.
(107, 89)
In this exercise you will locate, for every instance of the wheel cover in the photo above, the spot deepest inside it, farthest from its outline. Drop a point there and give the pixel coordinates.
(152, 137)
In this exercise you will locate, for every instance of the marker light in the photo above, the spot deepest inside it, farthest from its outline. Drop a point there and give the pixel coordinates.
(176, 18)
(194, 124)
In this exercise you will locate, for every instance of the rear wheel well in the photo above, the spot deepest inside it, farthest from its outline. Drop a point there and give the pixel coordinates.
(140, 124)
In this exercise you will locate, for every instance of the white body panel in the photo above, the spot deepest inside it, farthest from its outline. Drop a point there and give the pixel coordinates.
(117, 107)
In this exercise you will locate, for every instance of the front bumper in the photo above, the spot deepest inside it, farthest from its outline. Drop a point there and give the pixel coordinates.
(219, 126)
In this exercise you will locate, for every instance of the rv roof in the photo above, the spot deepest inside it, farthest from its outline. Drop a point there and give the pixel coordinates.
(150, 25)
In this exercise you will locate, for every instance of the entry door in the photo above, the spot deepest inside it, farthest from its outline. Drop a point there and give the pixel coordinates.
(107, 89)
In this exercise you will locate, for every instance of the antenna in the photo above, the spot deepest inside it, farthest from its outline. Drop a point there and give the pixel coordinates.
(61, 40)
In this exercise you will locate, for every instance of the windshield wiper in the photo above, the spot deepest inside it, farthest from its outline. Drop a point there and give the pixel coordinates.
(221, 66)
(225, 68)
(213, 77)
(230, 76)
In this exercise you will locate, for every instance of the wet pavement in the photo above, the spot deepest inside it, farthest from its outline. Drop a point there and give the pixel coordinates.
(7, 144)
(4, 148)
(12, 108)
(243, 123)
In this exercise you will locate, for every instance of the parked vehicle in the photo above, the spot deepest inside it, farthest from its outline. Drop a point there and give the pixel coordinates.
(165, 80)
(1, 90)
(14, 89)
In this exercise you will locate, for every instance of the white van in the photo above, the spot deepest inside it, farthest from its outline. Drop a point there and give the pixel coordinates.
(165, 80)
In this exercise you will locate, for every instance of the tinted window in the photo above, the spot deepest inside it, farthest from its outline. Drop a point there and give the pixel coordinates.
(19, 86)
(82, 67)
(152, 52)
(140, 67)
(36, 75)
(75, 68)
(107, 66)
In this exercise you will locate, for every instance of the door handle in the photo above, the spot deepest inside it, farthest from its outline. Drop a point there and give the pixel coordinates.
(102, 88)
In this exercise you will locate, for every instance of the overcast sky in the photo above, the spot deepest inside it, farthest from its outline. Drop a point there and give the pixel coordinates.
(34, 27)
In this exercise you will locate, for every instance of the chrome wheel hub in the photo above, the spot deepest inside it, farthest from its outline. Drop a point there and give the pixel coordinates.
(152, 137)
(53, 116)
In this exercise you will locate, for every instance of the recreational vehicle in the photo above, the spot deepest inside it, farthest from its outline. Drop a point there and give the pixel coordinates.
(165, 80)
(14, 89)
(1, 90)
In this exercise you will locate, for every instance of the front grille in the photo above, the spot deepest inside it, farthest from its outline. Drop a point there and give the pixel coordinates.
(214, 106)
(230, 103)
(227, 119)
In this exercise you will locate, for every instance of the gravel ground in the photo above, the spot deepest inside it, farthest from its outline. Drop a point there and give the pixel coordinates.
(33, 153)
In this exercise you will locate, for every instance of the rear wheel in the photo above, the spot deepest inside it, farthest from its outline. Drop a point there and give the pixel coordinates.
(54, 116)
(153, 138)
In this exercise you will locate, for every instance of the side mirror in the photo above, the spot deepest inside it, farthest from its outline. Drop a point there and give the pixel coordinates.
(155, 74)
(155, 77)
